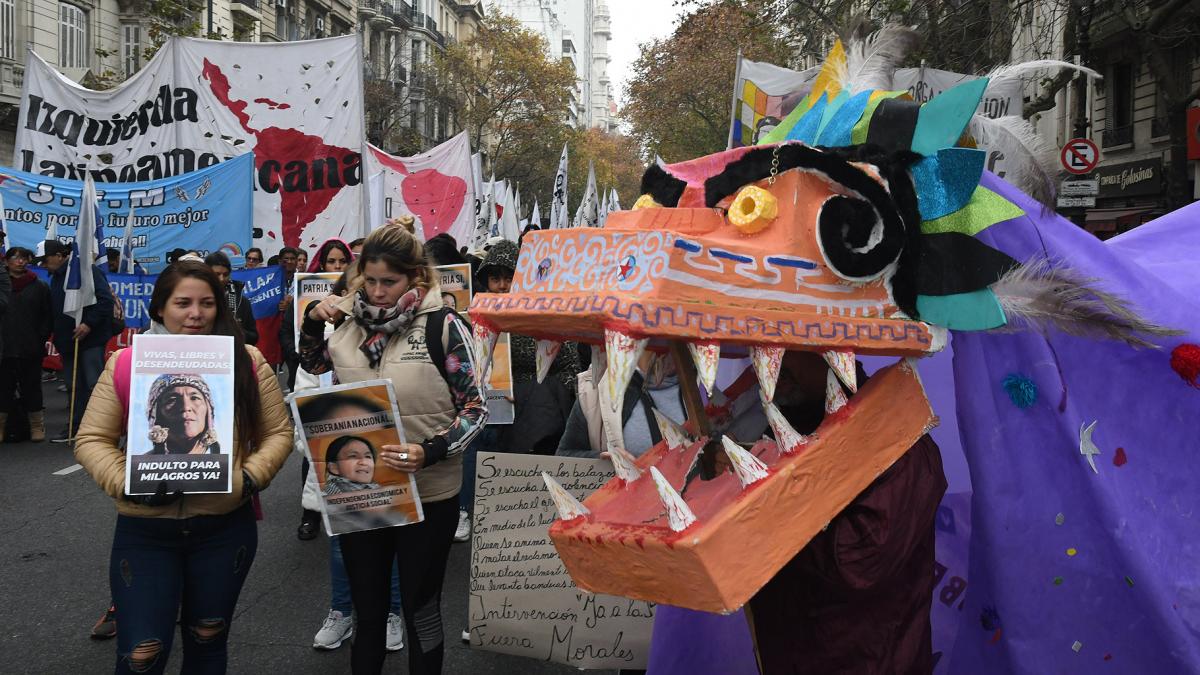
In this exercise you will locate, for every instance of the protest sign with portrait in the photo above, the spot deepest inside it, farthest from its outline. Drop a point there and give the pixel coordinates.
(344, 429)
(455, 282)
(180, 435)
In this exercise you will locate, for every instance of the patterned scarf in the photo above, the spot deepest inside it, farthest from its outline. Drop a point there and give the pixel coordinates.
(381, 323)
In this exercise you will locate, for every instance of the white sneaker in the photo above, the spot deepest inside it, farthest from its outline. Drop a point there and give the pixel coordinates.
(463, 533)
(336, 630)
(395, 633)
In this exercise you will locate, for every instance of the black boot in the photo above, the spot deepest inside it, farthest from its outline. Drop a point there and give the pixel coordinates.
(310, 524)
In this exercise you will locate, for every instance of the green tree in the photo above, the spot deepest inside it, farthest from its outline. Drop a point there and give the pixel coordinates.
(680, 87)
(503, 88)
(618, 161)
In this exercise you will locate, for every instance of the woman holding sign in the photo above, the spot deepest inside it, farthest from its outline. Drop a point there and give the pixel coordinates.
(168, 548)
(391, 324)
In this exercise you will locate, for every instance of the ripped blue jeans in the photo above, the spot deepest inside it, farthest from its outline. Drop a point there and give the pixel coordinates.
(159, 565)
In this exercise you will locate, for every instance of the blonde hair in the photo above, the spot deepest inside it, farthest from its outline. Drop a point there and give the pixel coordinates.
(395, 246)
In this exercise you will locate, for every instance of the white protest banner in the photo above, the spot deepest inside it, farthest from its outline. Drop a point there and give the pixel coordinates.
(926, 83)
(180, 415)
(522, 600)
(436, 186)
(296, 105)
(764, 94)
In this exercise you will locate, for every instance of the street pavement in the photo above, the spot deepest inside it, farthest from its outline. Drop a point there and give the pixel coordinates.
(57, 527)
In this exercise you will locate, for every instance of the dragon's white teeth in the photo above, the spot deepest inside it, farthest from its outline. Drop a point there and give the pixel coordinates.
(622, 354)
(485, 344)
(706, 356)
(749, 469)
(568, 507)
(679, 516)
(835, 398)
(623, 464)
(766, 361)
(674, 434)
(544, 357)
(786, 437)
(843, 365)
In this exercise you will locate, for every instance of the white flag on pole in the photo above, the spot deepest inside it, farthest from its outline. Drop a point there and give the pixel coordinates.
(80, 287)
(603, 210)
(588, 213)
(127, 264)
(510, 228)
(558, 201)
(497, 188)
(535, 216)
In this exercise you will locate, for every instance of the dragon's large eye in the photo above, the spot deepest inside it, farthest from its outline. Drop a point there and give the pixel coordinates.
(646, 202)
(858, 242)
(753, 209)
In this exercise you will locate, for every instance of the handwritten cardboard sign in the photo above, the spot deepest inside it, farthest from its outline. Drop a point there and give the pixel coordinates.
(522, 600)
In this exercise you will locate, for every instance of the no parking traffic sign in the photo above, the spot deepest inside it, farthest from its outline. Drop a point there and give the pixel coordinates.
(1080, 156)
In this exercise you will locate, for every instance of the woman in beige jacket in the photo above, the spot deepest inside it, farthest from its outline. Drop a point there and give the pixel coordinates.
(387, 325)
(173, 549)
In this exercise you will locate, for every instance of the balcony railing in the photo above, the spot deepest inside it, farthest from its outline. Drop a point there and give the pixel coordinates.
(1117, 136)
(252, 4)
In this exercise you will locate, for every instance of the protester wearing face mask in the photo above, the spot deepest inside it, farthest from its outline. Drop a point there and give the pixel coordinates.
(167, 546)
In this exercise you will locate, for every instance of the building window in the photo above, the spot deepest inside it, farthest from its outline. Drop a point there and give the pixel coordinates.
(8, 29)
(287, 27)
(72, 37)
(1120, 112)
(131, 48)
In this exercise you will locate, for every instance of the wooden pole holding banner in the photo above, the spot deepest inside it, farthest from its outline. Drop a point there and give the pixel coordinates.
(737, 78)
(74, 379)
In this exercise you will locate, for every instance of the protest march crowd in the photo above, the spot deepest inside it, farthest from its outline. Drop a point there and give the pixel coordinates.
(712, 355)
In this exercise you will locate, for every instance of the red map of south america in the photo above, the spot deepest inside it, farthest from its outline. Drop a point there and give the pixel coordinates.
(279, 146)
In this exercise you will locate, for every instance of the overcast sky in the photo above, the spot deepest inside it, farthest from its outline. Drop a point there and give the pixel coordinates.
(635, 22)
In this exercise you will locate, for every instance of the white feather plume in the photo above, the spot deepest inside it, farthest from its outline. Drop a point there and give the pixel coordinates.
(871, 60)
(1009, 73)
(1029, 162)
(1043, 295)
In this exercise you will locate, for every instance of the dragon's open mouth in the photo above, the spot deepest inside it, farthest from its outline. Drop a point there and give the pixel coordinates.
(693, 285)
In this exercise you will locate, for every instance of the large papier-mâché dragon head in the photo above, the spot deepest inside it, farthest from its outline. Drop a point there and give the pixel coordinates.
(850, 232)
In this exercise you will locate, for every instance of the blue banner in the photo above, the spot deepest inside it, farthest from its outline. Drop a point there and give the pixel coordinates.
(204, 211)
(133, 291)
(264, 289)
